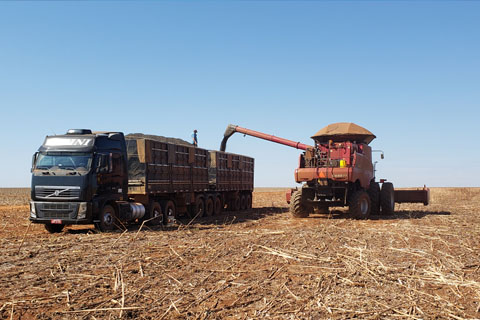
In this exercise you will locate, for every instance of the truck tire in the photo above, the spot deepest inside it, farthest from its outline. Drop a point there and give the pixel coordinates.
(107, 219)
(54, 228)
(156, 214)
(236, 203)
(387, 198)
(243, 202)
(249, 201)
(297, 208)
(374, 194)
(169, 210)
(198, 208)
(360, 205)
(209, 207)
(218, 206)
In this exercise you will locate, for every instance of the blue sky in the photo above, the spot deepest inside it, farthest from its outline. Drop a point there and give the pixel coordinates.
(408, 71)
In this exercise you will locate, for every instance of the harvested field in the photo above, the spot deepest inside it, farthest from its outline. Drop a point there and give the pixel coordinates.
(422, 263)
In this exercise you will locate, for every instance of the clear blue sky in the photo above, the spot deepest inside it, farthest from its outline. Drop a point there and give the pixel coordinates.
(408, 71)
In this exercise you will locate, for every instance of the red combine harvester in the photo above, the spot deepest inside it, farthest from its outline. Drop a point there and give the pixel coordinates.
(338, 171)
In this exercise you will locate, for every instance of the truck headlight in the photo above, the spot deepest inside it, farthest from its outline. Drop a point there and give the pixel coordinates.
(33, 211)
(82, 210)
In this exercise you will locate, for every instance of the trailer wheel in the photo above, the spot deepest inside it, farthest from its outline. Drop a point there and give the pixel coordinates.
(54, 228)
(169, 209)
(107, 219)
(249, 201)
(297, 208)
(156, 214)
(360, 205)
(387, 198)
(374, 194)
(209, 207)
(236, 203)
(218, 206)
(243, 202)
(198, 208)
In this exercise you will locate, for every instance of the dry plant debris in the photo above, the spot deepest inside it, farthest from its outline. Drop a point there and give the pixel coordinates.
(422, 263)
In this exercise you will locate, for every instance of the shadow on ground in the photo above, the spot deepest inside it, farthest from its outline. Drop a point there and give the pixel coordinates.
(226, 218)
(398, 215)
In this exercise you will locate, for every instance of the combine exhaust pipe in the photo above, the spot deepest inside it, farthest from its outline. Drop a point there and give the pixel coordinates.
(231, 129)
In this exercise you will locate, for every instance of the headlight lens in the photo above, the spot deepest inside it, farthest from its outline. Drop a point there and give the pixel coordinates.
(33, 212)
(82, 210)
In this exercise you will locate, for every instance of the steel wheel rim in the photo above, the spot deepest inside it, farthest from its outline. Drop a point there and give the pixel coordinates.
(107, 218)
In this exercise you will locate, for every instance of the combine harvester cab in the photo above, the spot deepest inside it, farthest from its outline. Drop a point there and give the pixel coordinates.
(338, 171)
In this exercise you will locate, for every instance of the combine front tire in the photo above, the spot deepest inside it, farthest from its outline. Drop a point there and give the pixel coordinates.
(360, 205)
(387, 198)
(374, 193)
(297, 208)
(54, 228)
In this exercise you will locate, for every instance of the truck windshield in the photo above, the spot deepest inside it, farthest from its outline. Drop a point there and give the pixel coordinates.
(80, 162)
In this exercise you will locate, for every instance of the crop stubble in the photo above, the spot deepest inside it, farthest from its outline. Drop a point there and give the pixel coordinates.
(422, 262)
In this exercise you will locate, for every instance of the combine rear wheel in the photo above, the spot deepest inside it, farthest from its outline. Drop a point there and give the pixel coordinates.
(374, 194)
(54, 228)
(297, 208)
(322, 210)
(387, 198)
(360, 205)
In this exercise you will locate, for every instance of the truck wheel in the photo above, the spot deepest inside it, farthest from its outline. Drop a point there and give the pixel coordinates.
(297, 208)
(360, 205)
(54, 228)
(169, 210)
(249, 201)
(218, 206)
(236, 203)
(243, 202)
(107, 219)
(156, 214)
(209, 207)
(387, 198)
(198, 208)
(374, 194)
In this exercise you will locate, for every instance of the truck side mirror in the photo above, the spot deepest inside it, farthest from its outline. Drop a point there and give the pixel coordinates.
(34, 158)
(382, 156)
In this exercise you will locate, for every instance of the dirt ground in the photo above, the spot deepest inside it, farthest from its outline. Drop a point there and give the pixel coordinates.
(421, 263)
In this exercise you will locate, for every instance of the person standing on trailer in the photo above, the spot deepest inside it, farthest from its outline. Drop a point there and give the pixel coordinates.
(195, 138)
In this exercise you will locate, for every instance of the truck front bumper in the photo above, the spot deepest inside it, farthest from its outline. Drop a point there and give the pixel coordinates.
(61, 212)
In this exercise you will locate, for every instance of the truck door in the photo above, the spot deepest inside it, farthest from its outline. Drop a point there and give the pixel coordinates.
(110, 174)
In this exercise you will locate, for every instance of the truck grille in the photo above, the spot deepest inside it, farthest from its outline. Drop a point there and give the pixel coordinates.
(56, 210)
(61, 192)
